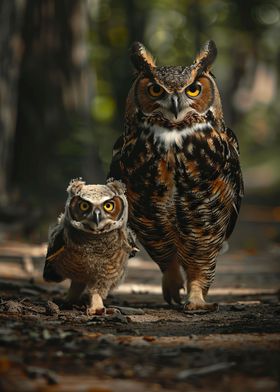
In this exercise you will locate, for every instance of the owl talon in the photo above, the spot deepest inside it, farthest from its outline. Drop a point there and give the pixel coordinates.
(96, 312)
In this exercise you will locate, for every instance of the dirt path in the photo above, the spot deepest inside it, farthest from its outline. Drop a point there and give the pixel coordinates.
(150, 346)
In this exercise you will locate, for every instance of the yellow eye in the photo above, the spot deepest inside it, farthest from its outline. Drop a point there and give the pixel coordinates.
(193, 90)
(155, 90)
(108, 206)
(84, 206)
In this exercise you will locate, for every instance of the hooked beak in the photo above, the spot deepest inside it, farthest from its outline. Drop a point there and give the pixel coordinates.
(175, 105)
(96, 216)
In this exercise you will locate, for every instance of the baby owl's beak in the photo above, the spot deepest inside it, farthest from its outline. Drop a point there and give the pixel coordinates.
(96, 216)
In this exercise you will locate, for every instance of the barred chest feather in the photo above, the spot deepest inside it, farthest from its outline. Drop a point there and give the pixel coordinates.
(178, 182)
(88, 258)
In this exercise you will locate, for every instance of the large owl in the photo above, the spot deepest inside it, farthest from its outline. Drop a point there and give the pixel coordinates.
(180, 164)
(91, 243)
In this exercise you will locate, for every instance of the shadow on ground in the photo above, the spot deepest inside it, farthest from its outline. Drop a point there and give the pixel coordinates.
(149, 345)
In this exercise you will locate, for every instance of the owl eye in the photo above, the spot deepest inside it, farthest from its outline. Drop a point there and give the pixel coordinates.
(108, 206)
(84, 206)
(155, 90)
(193, 90)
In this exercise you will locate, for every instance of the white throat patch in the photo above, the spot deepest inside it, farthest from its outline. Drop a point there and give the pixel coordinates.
(167, 137)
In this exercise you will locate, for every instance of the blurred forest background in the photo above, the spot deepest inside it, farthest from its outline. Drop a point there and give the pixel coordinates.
(65, 74)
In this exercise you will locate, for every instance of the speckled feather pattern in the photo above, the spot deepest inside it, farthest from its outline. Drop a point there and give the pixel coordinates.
(183, 177)
(96, 260)
(92, 253)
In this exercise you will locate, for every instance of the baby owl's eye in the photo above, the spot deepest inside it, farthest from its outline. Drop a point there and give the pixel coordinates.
(84, 206)
(108, 206)
(155, 90)
(193, 90)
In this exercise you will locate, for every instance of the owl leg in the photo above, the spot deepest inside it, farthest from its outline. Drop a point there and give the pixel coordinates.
(197, 287)
(172, 281)
(75, 291)
(96, 305)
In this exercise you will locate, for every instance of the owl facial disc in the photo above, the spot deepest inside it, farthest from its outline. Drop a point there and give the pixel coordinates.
(96, 209)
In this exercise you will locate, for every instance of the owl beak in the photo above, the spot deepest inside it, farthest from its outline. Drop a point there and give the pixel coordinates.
(175, 105)
(96, 216)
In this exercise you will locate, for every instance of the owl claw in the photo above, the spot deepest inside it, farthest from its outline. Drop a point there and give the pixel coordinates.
(102, 311)
(96, 305)
(96, 312)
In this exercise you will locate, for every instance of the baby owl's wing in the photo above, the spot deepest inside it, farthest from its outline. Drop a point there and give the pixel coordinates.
(56, 243)
(55, 247)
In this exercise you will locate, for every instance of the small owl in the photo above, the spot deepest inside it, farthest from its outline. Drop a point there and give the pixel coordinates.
(180, 164)
(91, 242)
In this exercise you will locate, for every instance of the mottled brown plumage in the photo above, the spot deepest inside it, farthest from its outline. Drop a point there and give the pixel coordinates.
(180, 164)
(91, 242)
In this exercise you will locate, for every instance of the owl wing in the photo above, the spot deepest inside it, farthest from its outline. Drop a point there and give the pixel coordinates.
(115, 167)
(235, 179)
(56, 243)
(55, 247)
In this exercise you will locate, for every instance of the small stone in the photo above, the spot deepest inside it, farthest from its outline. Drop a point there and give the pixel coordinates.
(36, 372)
(139, 343)
(130, 311)
(237, 307)
(13, 307)
(110, 311)
(52, 309)
(149, 338)
(118, 318)
(107, 338)
(46, 334)
(270, 300)
(28, 292)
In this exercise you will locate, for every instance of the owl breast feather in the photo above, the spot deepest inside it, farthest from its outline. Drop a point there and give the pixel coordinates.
(180, 186)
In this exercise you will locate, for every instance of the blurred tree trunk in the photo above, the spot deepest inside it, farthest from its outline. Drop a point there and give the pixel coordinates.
(11, 49)
(197, 23)
(55, 92)
(46, 91)
(121, 73)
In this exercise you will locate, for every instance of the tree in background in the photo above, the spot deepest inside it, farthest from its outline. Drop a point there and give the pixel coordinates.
(47, 90)
(65, 74)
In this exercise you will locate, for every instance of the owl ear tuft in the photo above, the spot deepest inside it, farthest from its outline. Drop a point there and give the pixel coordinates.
(118, 187)
(206, 57)
(141, 58)
(75, 186)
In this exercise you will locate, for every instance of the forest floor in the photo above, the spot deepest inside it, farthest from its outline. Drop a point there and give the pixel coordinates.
(149, 346)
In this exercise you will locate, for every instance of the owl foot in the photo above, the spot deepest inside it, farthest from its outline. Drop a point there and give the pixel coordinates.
(172, 282)
(102, 311)
(96, 306)
(200, 307)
